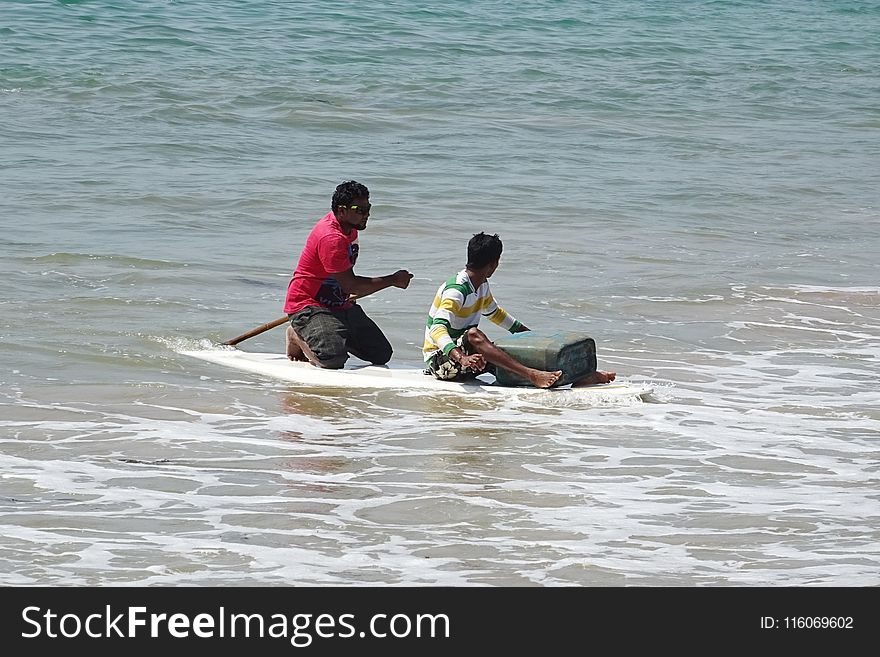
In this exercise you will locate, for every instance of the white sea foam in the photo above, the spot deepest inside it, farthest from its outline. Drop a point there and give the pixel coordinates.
(725, 468)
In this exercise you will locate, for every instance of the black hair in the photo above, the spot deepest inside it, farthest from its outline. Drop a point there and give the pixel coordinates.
(483, 250)
(347, 192)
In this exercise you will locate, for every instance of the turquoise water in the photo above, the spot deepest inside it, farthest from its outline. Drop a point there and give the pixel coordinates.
(692, 183)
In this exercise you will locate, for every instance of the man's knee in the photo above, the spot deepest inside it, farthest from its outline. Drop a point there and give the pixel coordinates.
(367, 341)
(334, 362)
(330, 349)
(476, 337)
(377, 352)
(382, 354)
(324, 335)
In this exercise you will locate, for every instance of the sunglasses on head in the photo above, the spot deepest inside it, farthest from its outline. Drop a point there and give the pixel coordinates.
(363, 211)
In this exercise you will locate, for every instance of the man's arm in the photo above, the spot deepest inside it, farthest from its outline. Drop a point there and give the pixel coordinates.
(361, 286)
(497, 315)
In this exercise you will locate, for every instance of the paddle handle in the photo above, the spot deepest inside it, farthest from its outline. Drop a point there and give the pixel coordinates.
(257, 331)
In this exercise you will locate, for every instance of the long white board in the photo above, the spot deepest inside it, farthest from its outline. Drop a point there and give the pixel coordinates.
(278, 366)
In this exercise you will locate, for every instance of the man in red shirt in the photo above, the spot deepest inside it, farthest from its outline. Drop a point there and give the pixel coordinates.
(326, 323)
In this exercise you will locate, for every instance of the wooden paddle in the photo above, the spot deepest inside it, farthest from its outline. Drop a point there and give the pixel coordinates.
(266, 327)
(257, 331)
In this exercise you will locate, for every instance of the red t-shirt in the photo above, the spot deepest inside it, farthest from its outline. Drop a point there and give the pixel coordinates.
(327, 251)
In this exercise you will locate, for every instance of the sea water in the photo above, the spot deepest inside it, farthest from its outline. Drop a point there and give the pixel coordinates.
(693, 184)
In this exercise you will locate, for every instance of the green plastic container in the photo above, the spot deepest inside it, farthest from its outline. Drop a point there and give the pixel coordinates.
(570, 351)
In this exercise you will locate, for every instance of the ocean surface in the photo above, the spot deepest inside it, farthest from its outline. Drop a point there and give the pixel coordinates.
(694, 184)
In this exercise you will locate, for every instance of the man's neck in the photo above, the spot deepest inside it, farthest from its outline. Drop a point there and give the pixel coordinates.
(346, 228)
(477, 277)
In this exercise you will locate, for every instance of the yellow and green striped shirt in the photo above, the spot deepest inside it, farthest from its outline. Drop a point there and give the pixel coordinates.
(458, 307)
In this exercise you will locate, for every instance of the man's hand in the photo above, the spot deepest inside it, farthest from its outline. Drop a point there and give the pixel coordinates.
(401, 279)
(476, 362)
(361, 286)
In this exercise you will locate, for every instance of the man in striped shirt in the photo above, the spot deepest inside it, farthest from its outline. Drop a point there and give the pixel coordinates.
(454, 347)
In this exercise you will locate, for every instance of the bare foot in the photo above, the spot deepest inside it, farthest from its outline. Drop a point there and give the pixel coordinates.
(594, 378)
(542, 379)
(294, 351)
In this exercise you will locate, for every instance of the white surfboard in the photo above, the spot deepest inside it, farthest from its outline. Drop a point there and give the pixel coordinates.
(278, 366)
